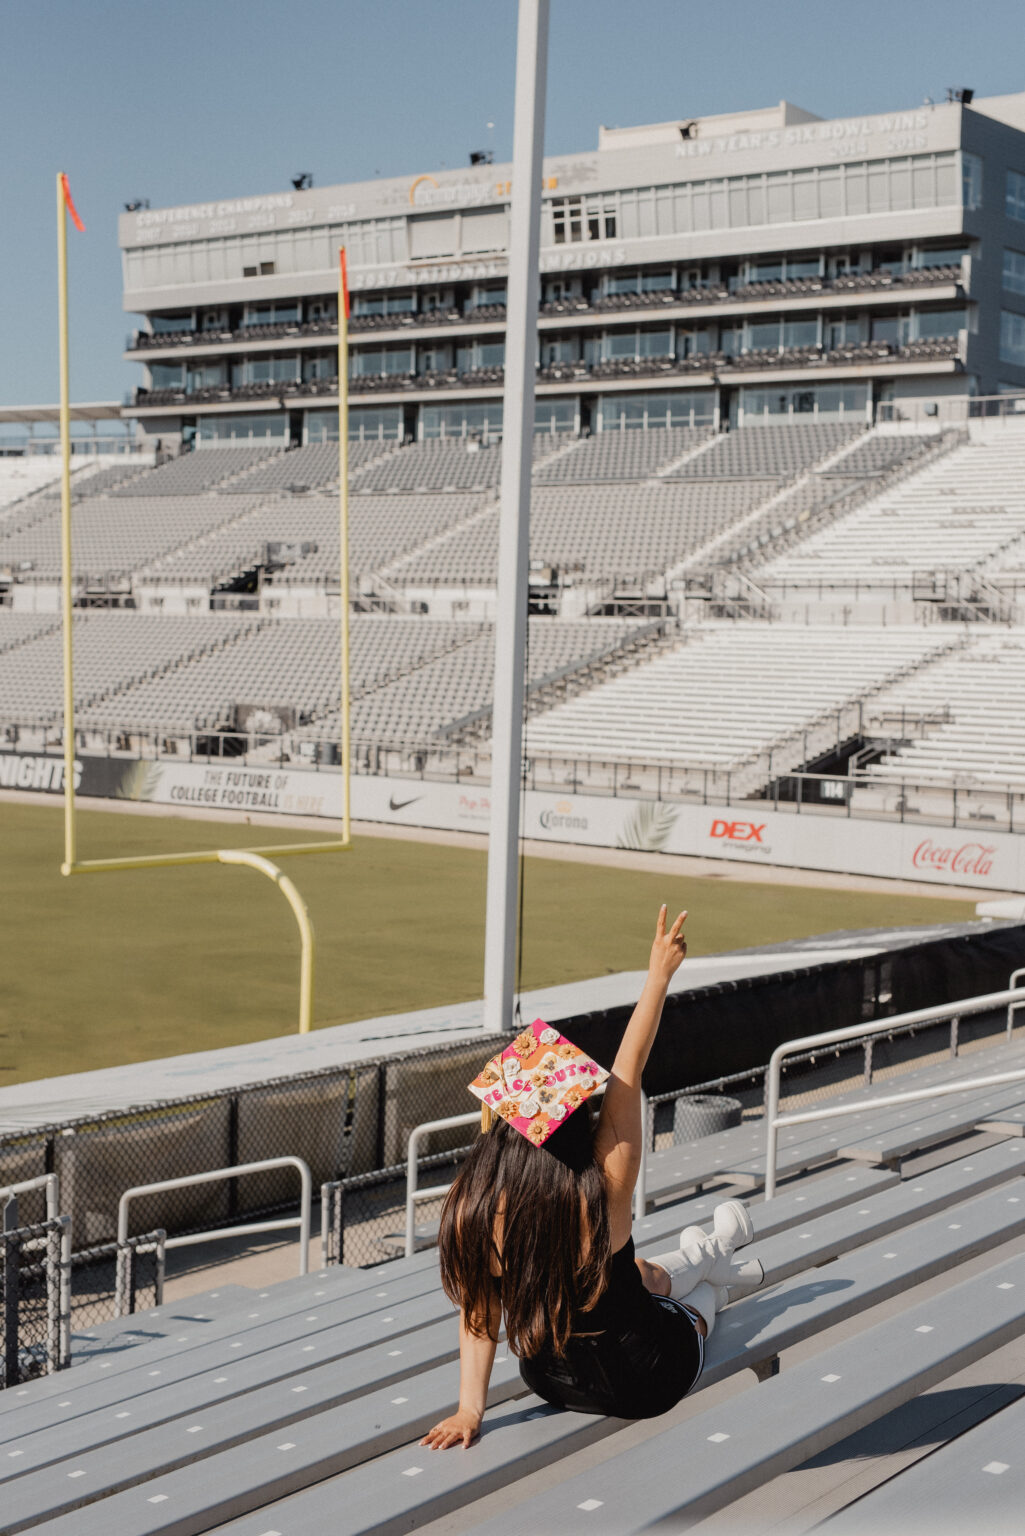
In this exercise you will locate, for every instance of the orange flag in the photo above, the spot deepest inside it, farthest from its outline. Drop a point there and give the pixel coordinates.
(345, 279)
(70, 205)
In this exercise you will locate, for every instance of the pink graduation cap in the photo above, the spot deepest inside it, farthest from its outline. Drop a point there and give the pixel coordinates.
(537, 1082)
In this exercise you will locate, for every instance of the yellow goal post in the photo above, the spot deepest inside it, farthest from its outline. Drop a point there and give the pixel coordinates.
(254, 858)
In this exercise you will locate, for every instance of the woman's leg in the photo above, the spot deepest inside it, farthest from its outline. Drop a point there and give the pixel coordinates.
(657, 1281)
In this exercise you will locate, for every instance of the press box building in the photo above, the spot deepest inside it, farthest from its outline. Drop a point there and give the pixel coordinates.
(746, 267)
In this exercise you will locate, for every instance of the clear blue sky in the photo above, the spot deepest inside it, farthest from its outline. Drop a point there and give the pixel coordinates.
(189, 100)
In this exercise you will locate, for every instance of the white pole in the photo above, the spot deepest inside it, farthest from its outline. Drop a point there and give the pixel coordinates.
(514, 525)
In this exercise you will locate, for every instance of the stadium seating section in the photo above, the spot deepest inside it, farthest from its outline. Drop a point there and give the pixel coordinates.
(806, 512)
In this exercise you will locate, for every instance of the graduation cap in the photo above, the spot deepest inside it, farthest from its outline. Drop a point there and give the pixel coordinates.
(536, 1083)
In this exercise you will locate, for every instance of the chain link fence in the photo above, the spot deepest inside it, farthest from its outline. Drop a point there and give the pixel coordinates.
(33, 1301)
(351, 1124)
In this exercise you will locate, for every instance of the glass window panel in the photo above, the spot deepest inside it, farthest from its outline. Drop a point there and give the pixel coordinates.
(621, 344)
(167, 376)
(900, 184)
(1012, 339)
(971, 180)
(946, 181)
(923, 183)
(682, 210)
(184, 321)
(941, 322)
(664, 210)
(490, 354)
(738, 203)
(855, 189)
(806, 203)
(765, 271)
(1014, 271)
(720, 206)
(645, 212)
(622, 282)
(763, 333)
(780, 201)
(800, 333)
(701, 206)
(940, 256)
(628, 215)
(803, 266)
(756, 200)
(878, 188)
(830, 202)
(655, 343)
(1014, 199)
(555, 415)
(242, 427)
(885, 328)
(656, 282)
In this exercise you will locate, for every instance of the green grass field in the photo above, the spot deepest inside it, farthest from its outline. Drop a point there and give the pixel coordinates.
(102, 969)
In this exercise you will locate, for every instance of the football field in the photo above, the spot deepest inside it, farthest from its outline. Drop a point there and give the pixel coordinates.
(109, 968)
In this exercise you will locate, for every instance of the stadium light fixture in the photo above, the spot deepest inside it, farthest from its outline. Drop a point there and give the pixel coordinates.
(253, 858)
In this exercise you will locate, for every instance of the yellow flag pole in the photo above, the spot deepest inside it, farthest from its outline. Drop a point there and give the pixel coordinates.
(343, 530)
(66, 595)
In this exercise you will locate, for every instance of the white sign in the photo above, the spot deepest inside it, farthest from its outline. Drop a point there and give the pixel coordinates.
(743, 833)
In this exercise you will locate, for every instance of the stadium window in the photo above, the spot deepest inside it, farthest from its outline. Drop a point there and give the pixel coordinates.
(1014, 197)
(1012, 338)
(567, 220)
(601, 219)
(656, 282)
(801, 333)
(940, 322)
(266, 269)
(762, 336)
(250, 272)
(971, 180)
(1014, 271)
(163, 324)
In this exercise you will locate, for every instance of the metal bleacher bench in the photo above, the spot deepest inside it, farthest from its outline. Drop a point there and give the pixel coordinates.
(214, 1450)
(978, 1481)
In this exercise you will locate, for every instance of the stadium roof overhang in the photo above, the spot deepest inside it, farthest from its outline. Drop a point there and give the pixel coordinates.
(27, 415)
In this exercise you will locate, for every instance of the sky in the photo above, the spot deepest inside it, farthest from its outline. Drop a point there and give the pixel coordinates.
(183, 101)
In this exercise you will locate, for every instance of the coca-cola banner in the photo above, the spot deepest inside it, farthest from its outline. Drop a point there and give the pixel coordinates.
(990, 861)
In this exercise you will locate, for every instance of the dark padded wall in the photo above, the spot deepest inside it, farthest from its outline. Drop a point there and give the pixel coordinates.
(731, 1026)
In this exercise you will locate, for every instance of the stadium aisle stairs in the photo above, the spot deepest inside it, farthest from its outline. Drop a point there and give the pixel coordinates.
(190, 1431)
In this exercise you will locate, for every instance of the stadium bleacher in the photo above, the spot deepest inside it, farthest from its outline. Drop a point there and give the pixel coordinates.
(298, 1410)
(958, 513)
(673, 710)
(193, 474)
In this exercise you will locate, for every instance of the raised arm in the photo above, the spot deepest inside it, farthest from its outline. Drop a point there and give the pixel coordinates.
(618, 1139)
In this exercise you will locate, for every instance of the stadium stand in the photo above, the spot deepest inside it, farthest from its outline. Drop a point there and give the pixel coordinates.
(20, 476)
(622, 455)
(113, 650)
(580, 529)
(312, 468)
(959, 714)
(193, 474)
(419, 707)
(307, 526)
(959, 512)
(769, 452)
(114, 535)
(297, 1411)
(674, 709)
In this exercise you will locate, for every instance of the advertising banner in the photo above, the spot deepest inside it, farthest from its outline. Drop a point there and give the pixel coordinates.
(743, 833)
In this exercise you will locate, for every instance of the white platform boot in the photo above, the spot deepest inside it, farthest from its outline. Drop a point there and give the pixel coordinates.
(700, 1257)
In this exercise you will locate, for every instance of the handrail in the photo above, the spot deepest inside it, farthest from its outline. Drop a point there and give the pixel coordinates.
(49, 1181)
(984, 1003)
(302, 1221)
(451, 1122)
(1012, 1008)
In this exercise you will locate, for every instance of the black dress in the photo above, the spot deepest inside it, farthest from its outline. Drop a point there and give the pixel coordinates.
(632, 1356)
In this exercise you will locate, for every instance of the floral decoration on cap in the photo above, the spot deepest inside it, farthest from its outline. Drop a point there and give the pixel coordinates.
(536, 1082)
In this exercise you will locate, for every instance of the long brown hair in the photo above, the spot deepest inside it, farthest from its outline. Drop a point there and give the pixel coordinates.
(550, 1205)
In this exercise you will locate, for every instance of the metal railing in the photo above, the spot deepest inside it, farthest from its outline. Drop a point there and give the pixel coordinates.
(47, 1181)
(1012, 997)
(189, 1239)
(34, 1259)
(1012, 1008)
(415, 1194)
